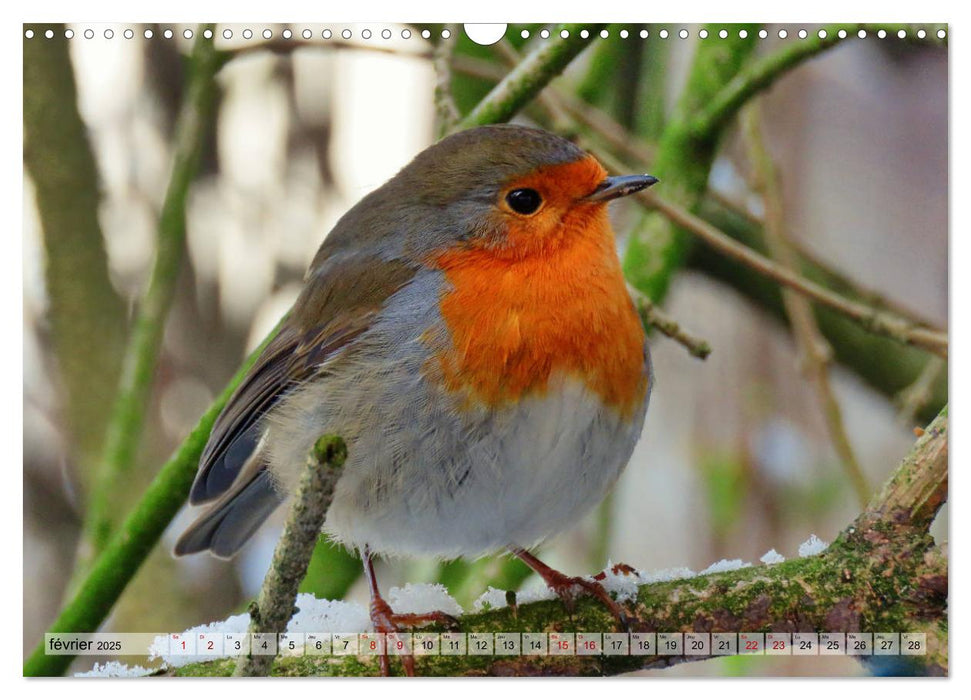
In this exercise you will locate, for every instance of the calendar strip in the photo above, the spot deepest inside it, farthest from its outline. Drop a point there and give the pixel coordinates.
(700, 644)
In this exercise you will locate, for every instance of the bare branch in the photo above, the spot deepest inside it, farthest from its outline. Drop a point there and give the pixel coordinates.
(872, 319)
(815, 350)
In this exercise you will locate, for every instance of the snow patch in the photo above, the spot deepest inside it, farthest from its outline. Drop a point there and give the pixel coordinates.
(495, 598)
(725, 565)
(115, 669)
(812, 547)
(772, 557)
(423, 598)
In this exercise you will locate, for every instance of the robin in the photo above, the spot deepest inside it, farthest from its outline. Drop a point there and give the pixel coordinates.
(466, 328)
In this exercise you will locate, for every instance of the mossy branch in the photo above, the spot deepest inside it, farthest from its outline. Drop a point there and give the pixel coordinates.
(275, 605)
(138, 370)
(883, 573)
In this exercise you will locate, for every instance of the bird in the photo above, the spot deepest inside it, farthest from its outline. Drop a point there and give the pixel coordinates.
(467, 330)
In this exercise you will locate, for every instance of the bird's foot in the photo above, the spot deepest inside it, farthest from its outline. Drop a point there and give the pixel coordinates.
(386, 621)
(568, 588)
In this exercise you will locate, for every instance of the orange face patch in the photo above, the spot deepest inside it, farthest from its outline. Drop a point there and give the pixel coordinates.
(551, 299)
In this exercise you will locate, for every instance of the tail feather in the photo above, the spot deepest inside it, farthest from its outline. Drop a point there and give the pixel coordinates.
(231, 521)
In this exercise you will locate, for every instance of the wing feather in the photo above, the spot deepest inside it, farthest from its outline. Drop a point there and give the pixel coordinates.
(339, 303)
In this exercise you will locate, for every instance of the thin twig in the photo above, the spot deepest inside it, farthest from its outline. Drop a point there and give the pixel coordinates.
(914, 397)
(531, 75)
(864, 294)
(884, 364)
(759, 75)
(276, 602)
(138, 371)
(286, 47)
(447, 114)
(874, 320)
(652, 317)
(814, 348)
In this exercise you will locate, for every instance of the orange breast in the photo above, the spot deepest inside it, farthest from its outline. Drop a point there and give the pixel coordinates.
(516, 321)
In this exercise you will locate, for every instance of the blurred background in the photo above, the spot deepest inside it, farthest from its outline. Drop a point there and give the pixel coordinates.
(735, 459)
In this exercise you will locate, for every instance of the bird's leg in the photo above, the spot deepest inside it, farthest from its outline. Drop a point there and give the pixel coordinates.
(386, 621)
(567, 587)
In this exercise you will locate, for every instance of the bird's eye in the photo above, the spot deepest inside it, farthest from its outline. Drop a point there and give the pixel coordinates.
(524, 201)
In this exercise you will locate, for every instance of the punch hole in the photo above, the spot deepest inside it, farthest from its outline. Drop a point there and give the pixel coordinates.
(148, 34)
(49, 33)
(902, 34)
(425, 34)
(346, 34)
(247, 33)
(882, 34)
(545, 34)
(267, 34)
(841, 33)
(168, 34)
(742, 33)
(29, 34)
(941, 34)
(405, 33)
(68, 33)
(861, 33)
(703, 34)
(723, 34)
(604, 34)
(207, 33)
(763, 34)
(803, 33)
(306, 34)
(643, 34)
(287, 34)
(624, 33)
(821, 34)
(488, 34)
(187, 33)
(366, 34)
(584, 34)
(783, 33)
(524, 34)
(88, 34)
(327, 34)
(227, 33)
(109, 34)
(683, 34)
(921, 34)
(564, 34)
(663, 33)
(385, 33)
(129, 34)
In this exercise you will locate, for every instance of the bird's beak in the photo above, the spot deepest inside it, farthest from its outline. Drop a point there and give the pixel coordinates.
(620, 186)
